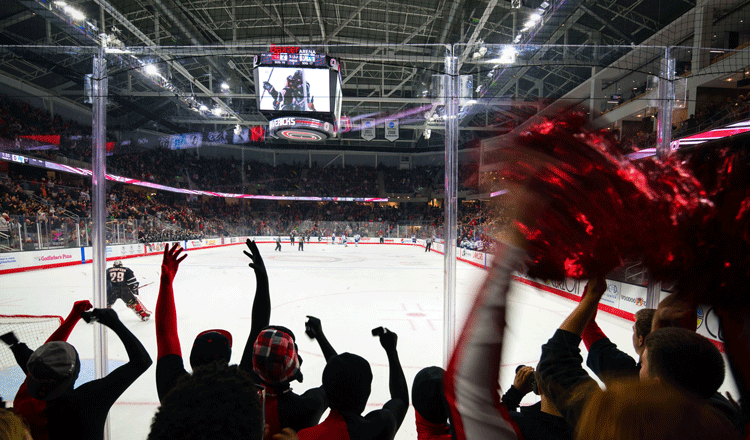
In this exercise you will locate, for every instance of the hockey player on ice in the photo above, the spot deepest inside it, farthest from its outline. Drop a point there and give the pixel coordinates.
(356, 239)
(295, 95)
(122, 284)
(343, 240)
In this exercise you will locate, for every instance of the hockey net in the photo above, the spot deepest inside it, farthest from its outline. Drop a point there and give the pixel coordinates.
(30, 329)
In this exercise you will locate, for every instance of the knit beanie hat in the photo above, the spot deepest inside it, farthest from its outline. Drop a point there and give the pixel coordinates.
(275, 358)
(347, 379)
(427, 395)
(211, 346)
(52, 369)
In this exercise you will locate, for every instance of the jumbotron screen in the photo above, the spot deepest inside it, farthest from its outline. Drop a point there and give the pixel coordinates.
(294, 89)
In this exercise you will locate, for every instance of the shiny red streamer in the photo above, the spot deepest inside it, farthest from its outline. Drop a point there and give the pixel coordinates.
(601, 208)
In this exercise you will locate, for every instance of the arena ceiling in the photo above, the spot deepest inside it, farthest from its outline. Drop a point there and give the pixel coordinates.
(389, 51)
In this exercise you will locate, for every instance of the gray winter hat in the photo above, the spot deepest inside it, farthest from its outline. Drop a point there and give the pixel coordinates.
(52, 369)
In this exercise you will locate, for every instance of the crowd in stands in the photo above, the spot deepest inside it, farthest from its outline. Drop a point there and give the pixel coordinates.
(18, 118)
(709, 115)
(62, 206)
(713, 114)
(676, 375)
(187, 170)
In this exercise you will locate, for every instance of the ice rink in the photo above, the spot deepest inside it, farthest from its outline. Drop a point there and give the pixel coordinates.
(351, 289)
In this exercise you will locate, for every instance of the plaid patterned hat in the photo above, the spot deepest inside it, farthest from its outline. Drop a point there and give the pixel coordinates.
(275, 356)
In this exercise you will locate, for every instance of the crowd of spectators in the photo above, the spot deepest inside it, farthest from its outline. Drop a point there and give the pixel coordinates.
(414, 181)
(188, 170)
(18, 118)
(335, 181)
(713, 114)
(62, 206)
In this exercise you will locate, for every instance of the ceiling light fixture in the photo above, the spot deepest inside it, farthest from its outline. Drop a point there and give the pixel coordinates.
(150, 69)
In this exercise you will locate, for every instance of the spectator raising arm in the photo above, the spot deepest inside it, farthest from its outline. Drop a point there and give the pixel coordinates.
(397, 386)
(561, 365)
(165, 321)
(261, 313)
(63, 332)
(472, 378)
(576, 322)
(314, 329)
(167, 338)
(32, 410)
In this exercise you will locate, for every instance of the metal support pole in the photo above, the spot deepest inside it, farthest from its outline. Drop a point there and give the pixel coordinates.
(38, 235)
(451, 200)
(99, 209)
(666, 106)
(663, 141)
(653, 292)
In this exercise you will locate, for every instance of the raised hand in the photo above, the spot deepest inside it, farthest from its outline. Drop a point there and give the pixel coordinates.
(388, 339)
(9, 338)
(522, 381)
(254, 255)
(106, 317)
(313, 327)
(595, 287)
(81, 306)
(172, 260)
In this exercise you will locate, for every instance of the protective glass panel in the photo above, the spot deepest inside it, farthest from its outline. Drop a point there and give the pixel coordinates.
(341, 160)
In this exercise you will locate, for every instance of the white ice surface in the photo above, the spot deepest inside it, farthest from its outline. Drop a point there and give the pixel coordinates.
(351, 289)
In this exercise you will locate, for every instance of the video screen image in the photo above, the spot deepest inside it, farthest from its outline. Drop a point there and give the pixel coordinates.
(294, 89)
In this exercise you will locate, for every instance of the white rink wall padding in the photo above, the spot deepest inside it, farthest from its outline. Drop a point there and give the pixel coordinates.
(352, 289)
(621, 299)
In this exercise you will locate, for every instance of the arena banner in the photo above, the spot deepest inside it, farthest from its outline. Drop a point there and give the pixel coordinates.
(708, 325)
(397, 241)
(612, 296)
(475, 257)
(154, 248)
(193, 244)
(30, 260)
(391, 129)
(119, 251)
(569, 287)
(368, 129)
(632, 298)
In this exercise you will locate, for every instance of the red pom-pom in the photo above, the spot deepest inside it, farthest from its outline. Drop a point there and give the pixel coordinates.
(602, 209)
